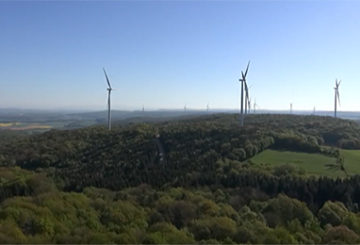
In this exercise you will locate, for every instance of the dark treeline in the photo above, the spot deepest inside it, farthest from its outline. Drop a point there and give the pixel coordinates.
(129, 156)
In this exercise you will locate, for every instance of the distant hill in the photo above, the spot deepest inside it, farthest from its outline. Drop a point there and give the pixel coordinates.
(121, 115)
(130, 154)
(70, 119)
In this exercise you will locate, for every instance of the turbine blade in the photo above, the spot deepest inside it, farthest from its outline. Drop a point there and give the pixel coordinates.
(107, 79)
(247, 68)
(246, 90)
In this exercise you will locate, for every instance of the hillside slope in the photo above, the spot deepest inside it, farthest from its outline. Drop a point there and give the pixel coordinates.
(199, 189)
(129, 155)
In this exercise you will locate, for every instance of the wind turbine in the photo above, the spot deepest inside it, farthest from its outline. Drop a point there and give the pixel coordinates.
(255, 106)
(291, 108)
(243, 81)
(207, 107)
(249, 105)
(337, 96)
(109, 89)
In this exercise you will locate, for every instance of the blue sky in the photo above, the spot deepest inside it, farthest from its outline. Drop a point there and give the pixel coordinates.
(164, 54)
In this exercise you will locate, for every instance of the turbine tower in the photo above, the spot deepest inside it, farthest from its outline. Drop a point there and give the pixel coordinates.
(207, 107)
(109, 89)
(337, 96)
(247, 98)
(291, 108)
(243, 81)
(255, 106)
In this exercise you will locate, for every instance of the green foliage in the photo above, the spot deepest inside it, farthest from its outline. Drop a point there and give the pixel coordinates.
(167, 233)
(340, 234)
(174, 215)
(94, 186)
(282, 210)
(332, 213)
(279, 236)
(352, 221)
(218, 228)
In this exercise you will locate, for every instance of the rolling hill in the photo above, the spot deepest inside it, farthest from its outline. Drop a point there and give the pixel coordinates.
(213, 182)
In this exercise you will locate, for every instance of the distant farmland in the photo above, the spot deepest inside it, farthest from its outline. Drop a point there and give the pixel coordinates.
(16, 126)
(8, 124)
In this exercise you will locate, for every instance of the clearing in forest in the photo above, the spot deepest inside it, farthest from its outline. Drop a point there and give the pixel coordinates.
(311, 163)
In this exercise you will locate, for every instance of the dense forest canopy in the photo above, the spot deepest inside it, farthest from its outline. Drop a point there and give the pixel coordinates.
(180, 181)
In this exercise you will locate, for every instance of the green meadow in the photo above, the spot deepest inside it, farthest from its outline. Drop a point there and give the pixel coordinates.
(311, 163)
(352, 160)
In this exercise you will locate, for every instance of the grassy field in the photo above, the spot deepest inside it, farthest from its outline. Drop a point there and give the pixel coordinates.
(313, 164)
(352, 161)
(9, 124)
(44, 126)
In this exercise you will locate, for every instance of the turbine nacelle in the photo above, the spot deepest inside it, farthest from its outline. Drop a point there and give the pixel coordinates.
(337, 83)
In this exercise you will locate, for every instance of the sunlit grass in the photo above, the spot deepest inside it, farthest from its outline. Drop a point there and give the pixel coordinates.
(352, 161)
(312, 163)
(6, 124)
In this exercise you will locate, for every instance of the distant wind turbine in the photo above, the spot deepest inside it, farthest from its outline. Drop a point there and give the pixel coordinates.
(337, 96)
(255, 106)
(109, 89)
(207, 107)
(243, 82)
(291, 108)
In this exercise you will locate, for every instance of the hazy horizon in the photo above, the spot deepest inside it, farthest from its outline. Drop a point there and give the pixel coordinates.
(84, 110)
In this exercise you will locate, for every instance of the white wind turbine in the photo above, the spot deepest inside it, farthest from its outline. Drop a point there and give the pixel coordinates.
(254, 107)
(243, 81)
(337, 96)
(109, 89)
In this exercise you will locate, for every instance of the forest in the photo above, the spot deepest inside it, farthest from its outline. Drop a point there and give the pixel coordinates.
(179, 181)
